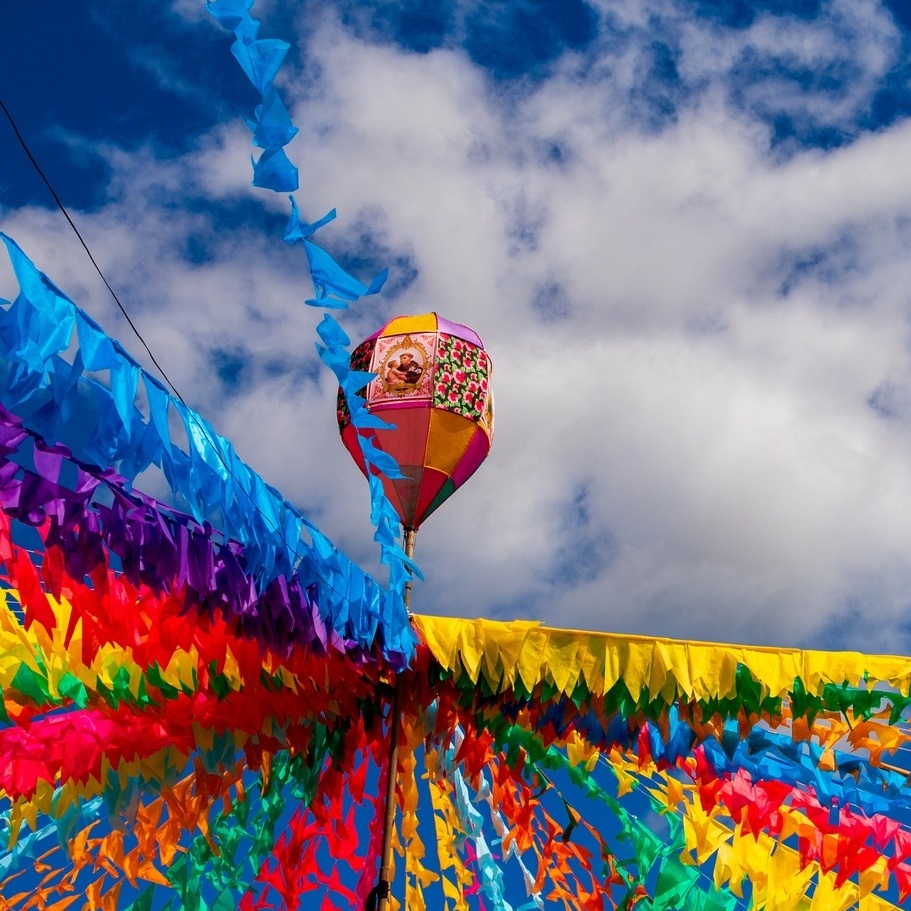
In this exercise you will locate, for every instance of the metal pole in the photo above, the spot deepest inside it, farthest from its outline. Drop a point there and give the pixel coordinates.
(410, 535)
(382, 887)
(395, 719)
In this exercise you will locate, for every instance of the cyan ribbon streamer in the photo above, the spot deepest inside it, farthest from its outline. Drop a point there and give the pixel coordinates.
(502, 830)
(260, 59)
(472, 825)
(335, 288)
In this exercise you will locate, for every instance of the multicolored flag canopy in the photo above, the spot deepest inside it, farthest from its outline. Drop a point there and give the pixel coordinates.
(194, 718)
(196, 696)
(432, 385)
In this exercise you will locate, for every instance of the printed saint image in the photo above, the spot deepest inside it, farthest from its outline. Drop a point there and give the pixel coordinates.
(404, 370)
(403, 365)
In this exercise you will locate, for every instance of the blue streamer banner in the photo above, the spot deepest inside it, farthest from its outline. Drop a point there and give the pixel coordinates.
(101, 424)
(334, 287)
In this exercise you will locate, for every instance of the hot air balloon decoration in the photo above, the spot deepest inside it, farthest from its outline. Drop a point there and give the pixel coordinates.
(433, 383)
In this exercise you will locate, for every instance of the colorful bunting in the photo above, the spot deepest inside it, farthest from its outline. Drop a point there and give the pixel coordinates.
(199, 718)
(206, 476)
(126, 704)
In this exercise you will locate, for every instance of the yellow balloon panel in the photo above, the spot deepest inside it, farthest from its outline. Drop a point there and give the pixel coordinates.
(449, 437)
(425, 322)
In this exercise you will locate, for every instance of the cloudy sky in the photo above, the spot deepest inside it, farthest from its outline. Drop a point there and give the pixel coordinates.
(682, 229)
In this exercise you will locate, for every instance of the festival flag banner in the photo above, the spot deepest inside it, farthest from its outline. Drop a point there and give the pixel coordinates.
(196, 697)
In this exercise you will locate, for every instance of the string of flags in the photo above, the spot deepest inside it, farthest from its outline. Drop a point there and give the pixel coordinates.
(196, 697)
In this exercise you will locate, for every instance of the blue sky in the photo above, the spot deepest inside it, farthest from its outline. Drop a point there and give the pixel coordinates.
(682, 229)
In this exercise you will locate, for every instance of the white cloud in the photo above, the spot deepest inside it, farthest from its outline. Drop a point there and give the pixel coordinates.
(693, 417)
(821, 71)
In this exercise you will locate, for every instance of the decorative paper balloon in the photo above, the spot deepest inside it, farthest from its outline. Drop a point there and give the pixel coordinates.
(433, 384)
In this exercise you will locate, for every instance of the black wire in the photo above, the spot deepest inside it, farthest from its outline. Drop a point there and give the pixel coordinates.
(123, 310)
(276, 527)
(85, 246)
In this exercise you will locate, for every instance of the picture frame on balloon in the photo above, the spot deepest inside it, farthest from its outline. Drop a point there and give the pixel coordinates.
(404, 368)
